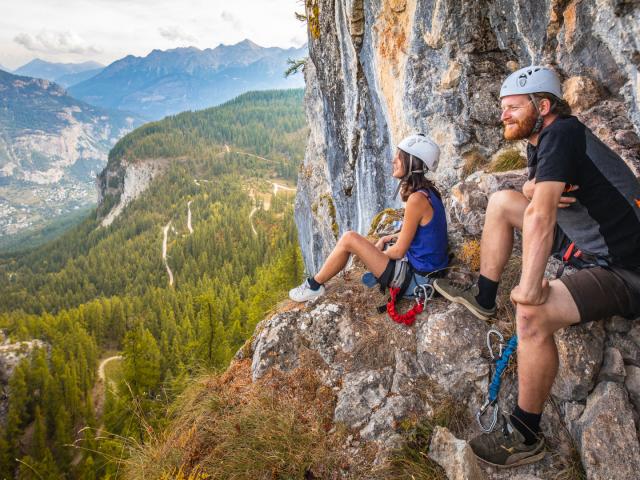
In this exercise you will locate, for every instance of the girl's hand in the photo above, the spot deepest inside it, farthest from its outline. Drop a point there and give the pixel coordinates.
(382, 241)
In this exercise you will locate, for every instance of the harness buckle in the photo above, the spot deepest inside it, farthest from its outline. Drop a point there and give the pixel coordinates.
(493, 419)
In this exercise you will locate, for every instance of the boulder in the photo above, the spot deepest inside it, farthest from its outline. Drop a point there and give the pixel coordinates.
(581, 93)
(469, 198)
(580, 349)
(607, 435)
(451, 344)
(362, 393)
(455, 456)
(632, 384)
(612, 366)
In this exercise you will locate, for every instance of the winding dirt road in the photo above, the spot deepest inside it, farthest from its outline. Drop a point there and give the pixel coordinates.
(189, 217)
(164, 252)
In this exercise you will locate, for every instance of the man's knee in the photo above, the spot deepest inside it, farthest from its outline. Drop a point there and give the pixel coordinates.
(533, 324)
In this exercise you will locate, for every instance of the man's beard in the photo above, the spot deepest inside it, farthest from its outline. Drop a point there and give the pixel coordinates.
(520, 129)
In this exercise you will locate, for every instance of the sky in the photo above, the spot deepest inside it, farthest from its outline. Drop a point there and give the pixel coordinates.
(106, 30)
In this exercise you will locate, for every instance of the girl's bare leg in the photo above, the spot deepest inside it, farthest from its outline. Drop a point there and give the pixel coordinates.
(352, 242)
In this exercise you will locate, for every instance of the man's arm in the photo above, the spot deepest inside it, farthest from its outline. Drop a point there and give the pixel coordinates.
(537, 240)
(529, 187)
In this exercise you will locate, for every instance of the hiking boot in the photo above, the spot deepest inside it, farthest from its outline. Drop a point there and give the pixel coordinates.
(304, 293)
(464, 295)
(505, 447)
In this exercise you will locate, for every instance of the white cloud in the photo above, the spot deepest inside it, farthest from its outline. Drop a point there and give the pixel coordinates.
(55, 42)
(174, 33)
(231, 18)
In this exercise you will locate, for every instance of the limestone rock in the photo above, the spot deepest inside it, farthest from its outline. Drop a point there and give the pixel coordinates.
(362, 393)
(450, 346)
(612, 366)
(607, 435)
(627, 346)
(469, 198)
(11, 354)
(632, 384)
(580, 351)
(627, 138)
(455, 456)
(617, 324)
(451, 77)
(581, 93)
(276, 345)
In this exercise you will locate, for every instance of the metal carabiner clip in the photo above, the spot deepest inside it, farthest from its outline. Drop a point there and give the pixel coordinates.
(495, 332)
(494, 416)
(423, 292)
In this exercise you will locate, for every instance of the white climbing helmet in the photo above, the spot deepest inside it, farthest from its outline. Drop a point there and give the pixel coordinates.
(423, 148)
(532, 79)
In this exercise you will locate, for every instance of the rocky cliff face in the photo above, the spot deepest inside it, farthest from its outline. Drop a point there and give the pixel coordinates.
(121, 182)
(379, 70)
(384, 375)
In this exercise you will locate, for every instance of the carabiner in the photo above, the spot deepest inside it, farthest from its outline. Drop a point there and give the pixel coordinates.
(494, 416)
(423, 292)
(495, 332)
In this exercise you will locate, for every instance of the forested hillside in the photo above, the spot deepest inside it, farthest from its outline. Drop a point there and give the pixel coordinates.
(231, 254)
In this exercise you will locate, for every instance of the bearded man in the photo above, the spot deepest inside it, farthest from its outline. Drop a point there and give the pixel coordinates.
(581, 202)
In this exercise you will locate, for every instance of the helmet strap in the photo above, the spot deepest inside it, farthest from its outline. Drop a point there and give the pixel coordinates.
(539, 121)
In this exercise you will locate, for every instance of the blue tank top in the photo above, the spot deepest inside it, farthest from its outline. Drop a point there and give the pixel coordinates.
(428, 249)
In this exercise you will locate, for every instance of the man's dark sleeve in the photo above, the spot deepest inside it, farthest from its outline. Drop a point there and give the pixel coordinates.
(557, 158)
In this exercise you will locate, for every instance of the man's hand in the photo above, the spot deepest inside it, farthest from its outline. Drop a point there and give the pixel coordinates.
(568, 201)
(532, 296)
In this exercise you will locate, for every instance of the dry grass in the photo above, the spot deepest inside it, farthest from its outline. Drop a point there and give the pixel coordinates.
(225, 426)
(507, 160)
(412, 461)
(469, 254)
(473, 161)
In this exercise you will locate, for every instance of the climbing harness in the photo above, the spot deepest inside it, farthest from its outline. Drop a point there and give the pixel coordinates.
(501, 361)
(579, 259)
(423, 294)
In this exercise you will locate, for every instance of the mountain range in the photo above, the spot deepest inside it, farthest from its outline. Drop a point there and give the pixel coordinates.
(64, 74)
(172, 81)
(51, 148)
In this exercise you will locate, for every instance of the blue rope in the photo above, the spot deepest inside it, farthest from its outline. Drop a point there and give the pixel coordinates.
(501, 365)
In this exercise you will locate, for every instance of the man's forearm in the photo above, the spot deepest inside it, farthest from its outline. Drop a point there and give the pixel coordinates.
(537, 235)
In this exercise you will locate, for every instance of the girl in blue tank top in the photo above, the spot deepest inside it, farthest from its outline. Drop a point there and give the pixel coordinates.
(422, 239)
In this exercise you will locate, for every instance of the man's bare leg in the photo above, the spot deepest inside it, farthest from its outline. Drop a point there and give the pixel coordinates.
(505, 212)
(537, 352)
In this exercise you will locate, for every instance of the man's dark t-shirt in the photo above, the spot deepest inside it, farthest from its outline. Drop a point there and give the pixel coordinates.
(605, 219)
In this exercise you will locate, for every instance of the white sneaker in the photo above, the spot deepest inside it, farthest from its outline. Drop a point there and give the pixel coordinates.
(304, 293)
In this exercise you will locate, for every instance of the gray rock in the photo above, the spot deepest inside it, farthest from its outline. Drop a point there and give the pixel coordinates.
(276, 345)
(612, 366)
(362, 393)
(607, 435)
(11, 354)
(627, 138)
(627, 346)
(455, 456)
(617, 324)
(451, 345)
(580, 350)
(525, 477)
(469, 199)
(632, 384)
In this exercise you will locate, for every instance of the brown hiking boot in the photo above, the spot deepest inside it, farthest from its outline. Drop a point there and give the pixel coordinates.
(505, 447)
(464, 294)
